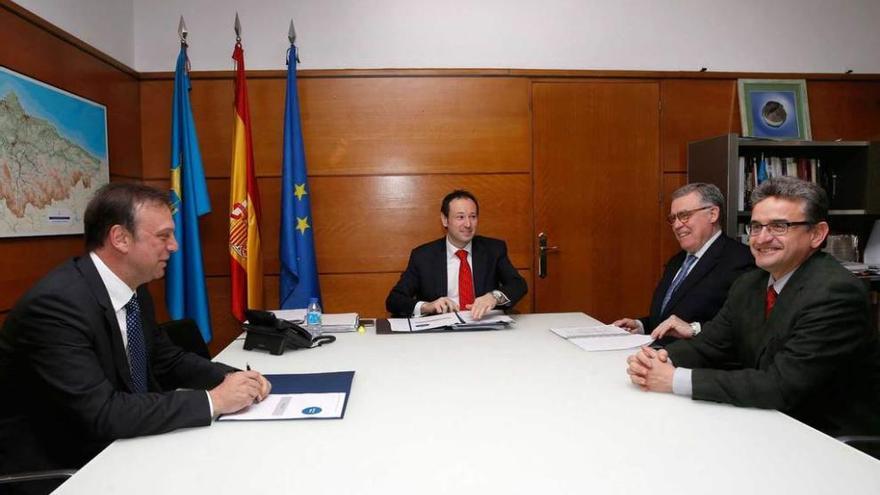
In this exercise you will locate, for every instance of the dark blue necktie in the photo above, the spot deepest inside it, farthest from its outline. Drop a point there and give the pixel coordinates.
(137, 349)
(679, 278)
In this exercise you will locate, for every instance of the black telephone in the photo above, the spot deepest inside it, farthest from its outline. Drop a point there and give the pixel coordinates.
(266, 331)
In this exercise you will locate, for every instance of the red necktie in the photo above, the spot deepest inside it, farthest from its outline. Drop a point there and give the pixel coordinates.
(465, 281)
(770, 302)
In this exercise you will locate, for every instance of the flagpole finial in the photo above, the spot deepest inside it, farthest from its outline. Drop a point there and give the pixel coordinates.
(291, 33)
(237, 28)
(181, 31)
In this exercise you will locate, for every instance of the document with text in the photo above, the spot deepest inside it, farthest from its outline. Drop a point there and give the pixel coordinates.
(455, 320)
(292, 406)
(602, 337)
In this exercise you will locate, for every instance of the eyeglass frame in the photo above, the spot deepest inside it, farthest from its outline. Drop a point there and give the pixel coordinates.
(687, 214)
(762, 226)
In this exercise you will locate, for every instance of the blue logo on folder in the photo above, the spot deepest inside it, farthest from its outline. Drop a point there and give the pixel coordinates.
(311, 410)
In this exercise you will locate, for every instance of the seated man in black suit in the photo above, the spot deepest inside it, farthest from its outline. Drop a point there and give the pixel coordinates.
(795, 336)
(460, 271)
(82, 361)
(696, 280)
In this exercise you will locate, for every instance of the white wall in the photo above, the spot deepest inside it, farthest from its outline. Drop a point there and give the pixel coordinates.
(105, 24)
(723, 35)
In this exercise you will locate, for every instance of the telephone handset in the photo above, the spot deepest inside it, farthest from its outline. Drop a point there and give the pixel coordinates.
(266, 331)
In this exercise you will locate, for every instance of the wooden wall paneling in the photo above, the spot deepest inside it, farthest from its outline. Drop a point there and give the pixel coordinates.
(693, 109)
(358, 125)
(31, 49)
(848, 110)
(668, 244)
(155, 102)
(26, 259)
(371, 223)
(403, 125)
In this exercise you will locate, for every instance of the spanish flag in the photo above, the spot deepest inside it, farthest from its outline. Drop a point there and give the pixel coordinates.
(246, 262)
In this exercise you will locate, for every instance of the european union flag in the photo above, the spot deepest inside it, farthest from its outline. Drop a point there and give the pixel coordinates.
(185, 291)
(299, 271)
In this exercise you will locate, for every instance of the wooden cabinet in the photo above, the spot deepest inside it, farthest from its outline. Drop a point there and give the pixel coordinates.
(849, 171)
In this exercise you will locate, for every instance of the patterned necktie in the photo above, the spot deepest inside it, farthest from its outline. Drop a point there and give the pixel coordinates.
(679, 278)
(770, 301)
(465, 281)
(137, 348)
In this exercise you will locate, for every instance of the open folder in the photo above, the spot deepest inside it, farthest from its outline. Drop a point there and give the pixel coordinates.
(300, 396)
(456, 320)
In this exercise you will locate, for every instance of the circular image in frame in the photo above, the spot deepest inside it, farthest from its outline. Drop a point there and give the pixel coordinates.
(773, 113)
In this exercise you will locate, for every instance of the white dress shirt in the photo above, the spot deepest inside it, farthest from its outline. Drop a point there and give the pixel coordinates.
(120, 293)
(453, 264)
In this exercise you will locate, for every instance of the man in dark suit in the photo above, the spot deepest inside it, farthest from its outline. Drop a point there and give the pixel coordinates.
(460, 271)
(82, 361)
(795, 336)
(696, 280)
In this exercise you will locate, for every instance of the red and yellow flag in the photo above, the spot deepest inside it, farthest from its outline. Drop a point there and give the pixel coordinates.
(246, 261)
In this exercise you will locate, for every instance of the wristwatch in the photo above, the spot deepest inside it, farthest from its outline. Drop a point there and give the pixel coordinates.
(695, 328)
(498, 295)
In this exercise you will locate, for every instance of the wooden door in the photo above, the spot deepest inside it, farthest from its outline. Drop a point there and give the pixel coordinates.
(597, 194)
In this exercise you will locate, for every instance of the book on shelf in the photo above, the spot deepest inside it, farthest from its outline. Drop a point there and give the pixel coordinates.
(755, 169)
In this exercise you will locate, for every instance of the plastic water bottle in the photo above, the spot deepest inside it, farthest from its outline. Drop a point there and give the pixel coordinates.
(313, 316)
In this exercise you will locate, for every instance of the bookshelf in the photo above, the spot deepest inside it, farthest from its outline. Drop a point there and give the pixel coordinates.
(849, 171)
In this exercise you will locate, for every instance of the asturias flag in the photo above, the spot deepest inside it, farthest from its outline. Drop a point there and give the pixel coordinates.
(185, 292)
(246, 262)
(299, 271)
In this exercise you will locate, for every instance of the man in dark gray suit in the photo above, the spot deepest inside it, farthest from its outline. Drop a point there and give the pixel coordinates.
(82, 361)
(696, 280)
(795, 336)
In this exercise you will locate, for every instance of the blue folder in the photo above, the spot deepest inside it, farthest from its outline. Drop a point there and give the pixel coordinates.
(314, 383)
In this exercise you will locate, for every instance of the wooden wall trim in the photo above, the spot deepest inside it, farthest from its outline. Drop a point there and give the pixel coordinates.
(63, 35)
(535, 74)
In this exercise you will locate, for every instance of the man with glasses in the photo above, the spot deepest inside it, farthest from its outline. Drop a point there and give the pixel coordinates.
(696, 280)
(795, 336)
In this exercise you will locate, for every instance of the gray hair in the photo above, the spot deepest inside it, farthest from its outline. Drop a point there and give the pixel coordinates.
(709, 194)
(815, 201)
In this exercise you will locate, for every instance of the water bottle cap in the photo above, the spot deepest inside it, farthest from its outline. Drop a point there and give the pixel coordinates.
(313, 299)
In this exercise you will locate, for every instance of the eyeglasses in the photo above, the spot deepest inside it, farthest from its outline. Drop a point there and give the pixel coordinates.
(685, 215)
(773, 228)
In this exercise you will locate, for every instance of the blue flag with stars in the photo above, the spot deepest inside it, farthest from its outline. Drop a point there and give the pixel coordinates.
(299, 270)
(185, 293)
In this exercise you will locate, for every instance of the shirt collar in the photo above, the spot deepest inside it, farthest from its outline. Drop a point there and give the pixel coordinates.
(451, 249)
(778, 285)
(120, 293)
(700, 252)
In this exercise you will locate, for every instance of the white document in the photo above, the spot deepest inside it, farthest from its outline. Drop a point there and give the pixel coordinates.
(455, 320)
(494, 316)
(339, 322)
(294, 315)
(330, 322)
(292, 406)
(602, 338)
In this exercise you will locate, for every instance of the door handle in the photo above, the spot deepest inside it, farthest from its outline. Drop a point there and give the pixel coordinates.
(543, 249)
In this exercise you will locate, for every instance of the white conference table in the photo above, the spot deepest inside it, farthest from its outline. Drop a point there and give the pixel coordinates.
(511, 411)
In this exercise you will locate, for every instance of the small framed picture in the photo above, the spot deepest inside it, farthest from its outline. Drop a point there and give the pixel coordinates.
(774, 108)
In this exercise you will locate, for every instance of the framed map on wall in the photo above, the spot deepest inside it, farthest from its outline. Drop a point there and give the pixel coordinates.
(53, 156)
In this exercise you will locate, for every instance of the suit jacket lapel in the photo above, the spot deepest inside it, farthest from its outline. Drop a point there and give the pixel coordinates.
(704, 265)
(99, 291)
(479, 267)
(441, 283)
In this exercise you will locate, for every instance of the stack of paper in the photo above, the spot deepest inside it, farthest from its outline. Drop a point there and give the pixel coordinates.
(602, 338)
(456, 320)
(330, 322)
